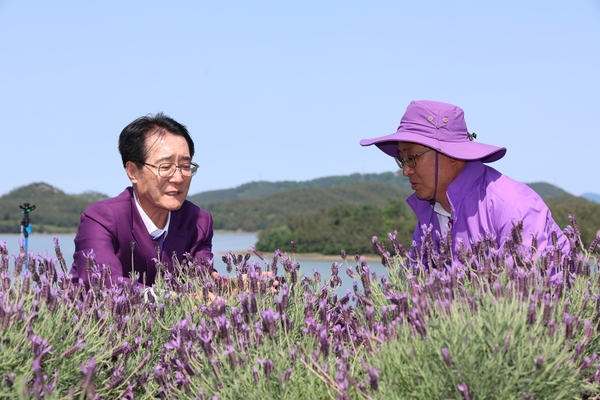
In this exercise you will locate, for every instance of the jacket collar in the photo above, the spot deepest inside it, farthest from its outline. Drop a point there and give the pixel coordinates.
(462, 184)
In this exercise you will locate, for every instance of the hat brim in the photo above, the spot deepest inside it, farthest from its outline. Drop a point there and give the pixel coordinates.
(464, 150)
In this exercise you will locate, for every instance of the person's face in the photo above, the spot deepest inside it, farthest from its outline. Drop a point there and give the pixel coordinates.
(422, 176)
(158, 195)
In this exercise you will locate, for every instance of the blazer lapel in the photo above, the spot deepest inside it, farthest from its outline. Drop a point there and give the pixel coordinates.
(144, 250)
(177, 238)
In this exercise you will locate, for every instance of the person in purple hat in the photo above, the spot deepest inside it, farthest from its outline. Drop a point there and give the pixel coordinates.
(455, 193)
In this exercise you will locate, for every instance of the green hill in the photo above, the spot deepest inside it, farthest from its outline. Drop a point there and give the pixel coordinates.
(350, 227)
(256, 214)
(255, 190)
(592, 197)
(347, 227)
(547, 191)
(258, 206)
(55, 212)
(586, 212)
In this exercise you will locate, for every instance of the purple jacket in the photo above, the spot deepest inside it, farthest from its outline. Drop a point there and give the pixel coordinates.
(486, 203)
(112, 226)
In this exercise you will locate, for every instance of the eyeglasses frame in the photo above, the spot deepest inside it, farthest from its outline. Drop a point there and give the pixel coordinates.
(410, 160)
(194, 169)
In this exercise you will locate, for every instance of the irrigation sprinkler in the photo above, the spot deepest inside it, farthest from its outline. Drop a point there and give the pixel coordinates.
(26, 229)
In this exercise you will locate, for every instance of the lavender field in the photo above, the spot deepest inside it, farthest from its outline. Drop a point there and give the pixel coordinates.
(499, 325)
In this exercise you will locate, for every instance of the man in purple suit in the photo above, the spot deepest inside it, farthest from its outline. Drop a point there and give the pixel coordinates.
(151, 219)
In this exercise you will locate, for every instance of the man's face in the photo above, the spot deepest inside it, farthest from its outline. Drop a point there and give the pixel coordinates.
(422, 176)
(158, 195)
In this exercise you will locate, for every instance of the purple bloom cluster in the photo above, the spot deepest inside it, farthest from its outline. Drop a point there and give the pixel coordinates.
(125, 341)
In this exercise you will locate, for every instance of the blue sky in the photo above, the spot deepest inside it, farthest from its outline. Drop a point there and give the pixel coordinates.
(278, 90)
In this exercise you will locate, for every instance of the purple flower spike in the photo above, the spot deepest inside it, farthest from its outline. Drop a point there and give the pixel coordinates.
(88, 368)
(373, 376)
(465, 391)
(268, 367)
(551, 327)
(268, 321)
(317, 276)
(539, 362)
(447, 358)
(587, 362)
(568, 326)
(39, 376)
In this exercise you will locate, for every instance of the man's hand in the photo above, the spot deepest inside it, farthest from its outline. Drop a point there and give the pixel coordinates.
(230, 283)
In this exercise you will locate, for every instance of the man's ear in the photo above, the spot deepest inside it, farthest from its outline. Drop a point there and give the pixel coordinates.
(458, 164)
(132, 170)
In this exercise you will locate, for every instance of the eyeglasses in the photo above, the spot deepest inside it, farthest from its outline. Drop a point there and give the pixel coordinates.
(167, 170)
(410, 161)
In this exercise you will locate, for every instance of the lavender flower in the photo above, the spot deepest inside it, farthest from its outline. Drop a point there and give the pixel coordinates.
(117, 378)
(575, 226)
(317, 276)
(538, 363)
(464, 390)
(89, 369)
(268, 368)
(589, 331)
(568, 326)
(268, 321)
(587, 362)
(551, 327)
(71, 350)
(230, 353)
(257, 253)
(594, 243)
(227, 260)
(373, 374)
(531, 313)
(447, 358)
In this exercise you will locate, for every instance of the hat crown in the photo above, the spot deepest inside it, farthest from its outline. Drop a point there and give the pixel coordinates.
(440, 126)
(436, 120)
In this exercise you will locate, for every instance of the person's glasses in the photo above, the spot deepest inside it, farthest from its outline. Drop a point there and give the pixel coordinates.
(167, 170)
(409, 161)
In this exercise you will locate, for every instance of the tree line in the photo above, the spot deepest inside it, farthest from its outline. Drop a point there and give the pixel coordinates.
(345, 227)
(324, 216)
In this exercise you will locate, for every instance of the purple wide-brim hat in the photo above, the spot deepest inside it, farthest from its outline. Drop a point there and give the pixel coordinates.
(439, 126)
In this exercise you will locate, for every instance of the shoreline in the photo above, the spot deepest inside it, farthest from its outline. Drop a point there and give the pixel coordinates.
(308, 256)
(268, 255)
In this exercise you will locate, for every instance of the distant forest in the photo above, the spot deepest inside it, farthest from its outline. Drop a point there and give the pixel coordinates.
(325, 215)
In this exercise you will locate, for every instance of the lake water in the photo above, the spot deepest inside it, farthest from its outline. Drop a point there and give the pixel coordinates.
(238, 243)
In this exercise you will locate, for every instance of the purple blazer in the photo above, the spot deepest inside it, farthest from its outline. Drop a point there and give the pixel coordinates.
(112, 226)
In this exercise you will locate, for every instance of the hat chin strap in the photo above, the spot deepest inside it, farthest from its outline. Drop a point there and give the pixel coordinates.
(432, 200)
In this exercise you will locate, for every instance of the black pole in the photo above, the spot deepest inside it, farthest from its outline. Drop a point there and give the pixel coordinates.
(25, 229)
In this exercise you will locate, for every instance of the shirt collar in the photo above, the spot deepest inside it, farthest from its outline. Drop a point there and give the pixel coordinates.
(440, 210)
(444, 218)
(153, 230)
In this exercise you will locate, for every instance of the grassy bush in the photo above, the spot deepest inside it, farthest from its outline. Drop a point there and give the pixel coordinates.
(490, 328)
